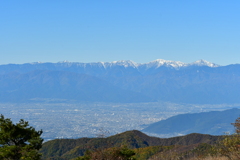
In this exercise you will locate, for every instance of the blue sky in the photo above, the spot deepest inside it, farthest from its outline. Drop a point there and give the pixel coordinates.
(110, 30)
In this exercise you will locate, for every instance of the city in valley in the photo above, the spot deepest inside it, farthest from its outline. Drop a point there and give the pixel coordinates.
(75, 120)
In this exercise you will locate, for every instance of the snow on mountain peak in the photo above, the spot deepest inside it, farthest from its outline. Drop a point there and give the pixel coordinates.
(202, 62)
(126, 63)
(161, 62)
(177, 64)
(38, 62)
(65, 61)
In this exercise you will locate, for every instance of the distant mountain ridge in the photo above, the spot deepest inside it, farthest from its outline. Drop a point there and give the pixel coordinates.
(26, 67)
(124, 81)
(214, 123)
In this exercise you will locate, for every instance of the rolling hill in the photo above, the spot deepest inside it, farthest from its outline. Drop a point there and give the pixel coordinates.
(72, 148)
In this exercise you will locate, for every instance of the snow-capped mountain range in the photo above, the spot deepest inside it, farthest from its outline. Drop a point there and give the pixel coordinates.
(121, 81)
(177, 64)
(128, 63)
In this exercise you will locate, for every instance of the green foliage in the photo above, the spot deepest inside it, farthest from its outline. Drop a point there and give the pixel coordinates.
(73, 148)
(19, 141)
(147, 152)
(87, 156)
(115, 153)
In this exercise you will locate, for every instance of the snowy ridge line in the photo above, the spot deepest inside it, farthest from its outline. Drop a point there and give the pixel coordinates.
(156, 63)
(128, 63)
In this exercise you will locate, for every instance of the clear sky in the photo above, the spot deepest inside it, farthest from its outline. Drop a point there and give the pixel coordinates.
(110, 30)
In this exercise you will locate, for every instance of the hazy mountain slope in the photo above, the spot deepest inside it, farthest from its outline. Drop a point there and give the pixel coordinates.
(215, 123)
(38, 85)
(199, 82)
(68, 148)
(187, 85)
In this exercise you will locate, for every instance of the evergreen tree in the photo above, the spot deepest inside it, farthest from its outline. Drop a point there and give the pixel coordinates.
(19, 141)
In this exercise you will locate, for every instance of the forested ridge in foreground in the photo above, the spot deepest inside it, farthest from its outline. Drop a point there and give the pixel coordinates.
(72, 148)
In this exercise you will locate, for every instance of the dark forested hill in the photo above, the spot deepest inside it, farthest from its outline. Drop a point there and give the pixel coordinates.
(122, 81)
(214, 123)
(70, 148)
